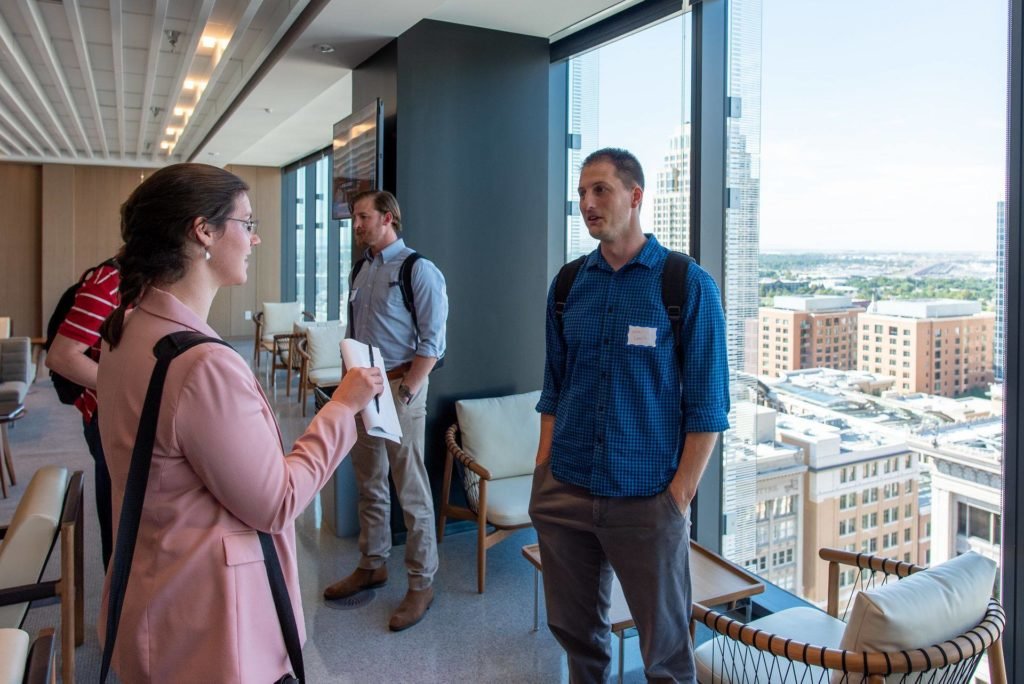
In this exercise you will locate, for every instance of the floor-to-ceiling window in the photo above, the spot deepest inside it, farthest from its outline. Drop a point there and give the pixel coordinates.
(857, 224)
(863, 281)
(631, 93)
(316, 250)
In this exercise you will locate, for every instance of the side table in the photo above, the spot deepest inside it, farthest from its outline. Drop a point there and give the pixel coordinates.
(714, 581)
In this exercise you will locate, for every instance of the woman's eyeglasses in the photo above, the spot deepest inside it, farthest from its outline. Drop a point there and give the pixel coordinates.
(250, 225)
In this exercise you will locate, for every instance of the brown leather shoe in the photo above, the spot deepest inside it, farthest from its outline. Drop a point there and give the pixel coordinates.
(412, 609)
(358, 581)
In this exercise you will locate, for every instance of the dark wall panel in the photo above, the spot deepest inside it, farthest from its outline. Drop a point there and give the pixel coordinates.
(378, 77)
(473, 183)
(470, 129)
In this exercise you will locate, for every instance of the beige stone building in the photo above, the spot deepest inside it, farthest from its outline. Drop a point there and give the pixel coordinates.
(807, 332)
(938, 346)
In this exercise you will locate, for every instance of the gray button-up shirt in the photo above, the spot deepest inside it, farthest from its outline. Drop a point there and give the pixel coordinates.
(379, 316)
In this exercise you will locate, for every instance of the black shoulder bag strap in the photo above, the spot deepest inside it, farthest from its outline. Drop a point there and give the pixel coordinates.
(674, 291)
(405, 285)
(166, 350)
(563, 284)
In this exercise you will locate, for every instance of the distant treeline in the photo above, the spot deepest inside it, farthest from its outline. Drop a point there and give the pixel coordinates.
(885, 287)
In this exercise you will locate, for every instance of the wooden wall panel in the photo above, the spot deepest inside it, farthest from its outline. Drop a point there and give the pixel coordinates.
(227, 316)
(57, 235)
(60, 219)
(20, 249)
(99, 193)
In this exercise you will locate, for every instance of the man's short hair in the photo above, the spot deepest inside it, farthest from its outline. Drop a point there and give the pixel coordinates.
(384, 202)
(627, 167)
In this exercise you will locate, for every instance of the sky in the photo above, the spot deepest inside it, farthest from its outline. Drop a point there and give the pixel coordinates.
(883, 126)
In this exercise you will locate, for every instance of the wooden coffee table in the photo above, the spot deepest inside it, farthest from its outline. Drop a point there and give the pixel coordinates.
(715, 581)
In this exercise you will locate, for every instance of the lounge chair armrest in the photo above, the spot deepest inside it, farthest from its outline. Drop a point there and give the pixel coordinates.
(464, 457)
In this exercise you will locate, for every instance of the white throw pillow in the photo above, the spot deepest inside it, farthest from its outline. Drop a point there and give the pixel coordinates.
(501, 433)
(279, 316)
(927, 608)
(323, 342)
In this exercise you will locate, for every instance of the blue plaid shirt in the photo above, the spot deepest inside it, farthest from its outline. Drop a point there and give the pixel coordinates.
(621, 401)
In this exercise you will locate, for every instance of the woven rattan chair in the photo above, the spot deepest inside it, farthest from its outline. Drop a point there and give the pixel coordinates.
(496, 461)
(755, 653)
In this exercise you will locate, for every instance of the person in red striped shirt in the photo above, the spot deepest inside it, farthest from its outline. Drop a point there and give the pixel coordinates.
(75, 354)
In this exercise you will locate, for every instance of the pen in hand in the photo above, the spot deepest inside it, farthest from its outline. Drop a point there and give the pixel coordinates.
(376, 398)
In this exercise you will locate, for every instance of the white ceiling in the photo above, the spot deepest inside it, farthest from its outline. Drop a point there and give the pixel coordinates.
(98, 81)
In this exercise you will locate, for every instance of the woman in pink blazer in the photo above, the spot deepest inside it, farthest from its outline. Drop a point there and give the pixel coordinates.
(198, 605)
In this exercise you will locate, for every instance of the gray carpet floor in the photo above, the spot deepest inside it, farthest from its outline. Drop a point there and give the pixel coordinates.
(465, 637)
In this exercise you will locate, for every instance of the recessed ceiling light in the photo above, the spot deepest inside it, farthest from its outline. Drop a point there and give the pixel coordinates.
(268, 110)
(325, 49)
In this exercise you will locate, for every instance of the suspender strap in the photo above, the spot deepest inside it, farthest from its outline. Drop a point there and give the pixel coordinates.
(166, 350)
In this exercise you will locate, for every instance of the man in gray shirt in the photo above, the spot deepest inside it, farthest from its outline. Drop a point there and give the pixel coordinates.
(410, 346)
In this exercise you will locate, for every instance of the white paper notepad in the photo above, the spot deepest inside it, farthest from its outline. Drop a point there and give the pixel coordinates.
(383, 423)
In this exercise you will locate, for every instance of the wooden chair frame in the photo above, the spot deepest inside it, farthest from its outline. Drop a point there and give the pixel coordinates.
(69, 586)
(484, 540)
(258, 347)
(299, 348)
(872, 666)
(40, 668)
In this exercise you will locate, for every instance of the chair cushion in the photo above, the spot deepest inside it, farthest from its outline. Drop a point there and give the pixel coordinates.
(926, 608)
(325, 377)
(508, 501)
(16, 360)
(30, 536)
(279, 316)
(14, 645)
(12, 395)
(722, 660)
(501, 433)
(323, 342)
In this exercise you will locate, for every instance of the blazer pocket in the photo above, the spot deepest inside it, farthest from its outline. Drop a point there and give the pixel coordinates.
(242, 547)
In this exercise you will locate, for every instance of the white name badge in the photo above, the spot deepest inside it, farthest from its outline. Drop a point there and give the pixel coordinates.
(642, 337)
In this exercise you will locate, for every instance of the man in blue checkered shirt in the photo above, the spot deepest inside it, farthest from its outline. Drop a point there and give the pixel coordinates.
(627, 427)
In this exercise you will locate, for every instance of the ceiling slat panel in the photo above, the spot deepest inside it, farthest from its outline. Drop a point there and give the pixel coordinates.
(16, 57)
(190, 135)
(11, 143)
(27, 115)
(41, 35)
(117, 40)
(74, 15)
(155, 35)
(183, 71)
(9, 118)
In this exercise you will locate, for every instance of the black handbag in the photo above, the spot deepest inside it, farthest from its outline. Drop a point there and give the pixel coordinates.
(165, 351)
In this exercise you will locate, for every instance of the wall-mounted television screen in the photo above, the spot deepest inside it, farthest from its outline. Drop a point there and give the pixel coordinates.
(358, 156)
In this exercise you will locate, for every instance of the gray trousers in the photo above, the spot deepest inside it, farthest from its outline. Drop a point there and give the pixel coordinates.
(645, 541)
(372, 459)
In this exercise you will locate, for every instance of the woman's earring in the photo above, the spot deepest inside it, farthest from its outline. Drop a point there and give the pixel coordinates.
(207, 253)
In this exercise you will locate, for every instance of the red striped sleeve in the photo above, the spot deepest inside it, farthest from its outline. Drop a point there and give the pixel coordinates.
(96, 299)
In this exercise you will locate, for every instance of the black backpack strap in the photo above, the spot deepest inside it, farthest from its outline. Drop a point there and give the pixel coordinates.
(356, 267)
(405, 285)
(166, 350)
(563, 285)
(674, 291)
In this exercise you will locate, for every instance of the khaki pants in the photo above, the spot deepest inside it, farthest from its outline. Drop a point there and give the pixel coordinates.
(372, 459)
(645, 540)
